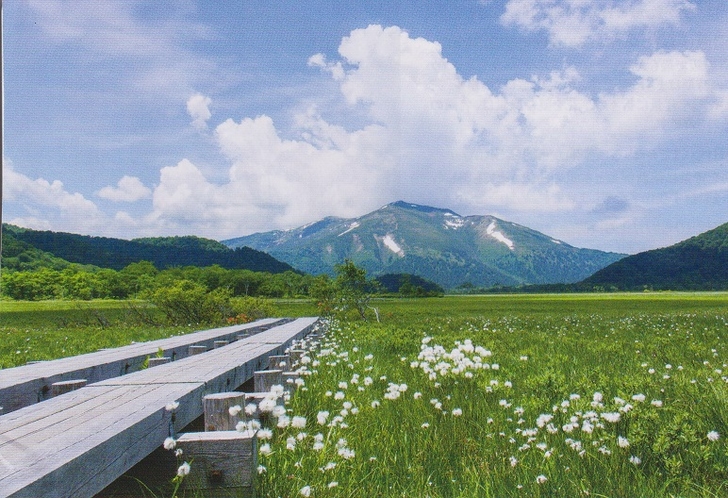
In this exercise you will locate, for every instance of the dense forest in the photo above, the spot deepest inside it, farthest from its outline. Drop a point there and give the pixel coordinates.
(162, 252)
(31, 270)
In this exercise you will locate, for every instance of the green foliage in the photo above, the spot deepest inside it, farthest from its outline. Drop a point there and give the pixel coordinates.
(163, 252)
(698, 263)
(409, 285)
(248, 309)
(187, 302)
(352, 289)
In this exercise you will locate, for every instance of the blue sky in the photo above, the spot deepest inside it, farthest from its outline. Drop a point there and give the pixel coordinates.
(603, 123)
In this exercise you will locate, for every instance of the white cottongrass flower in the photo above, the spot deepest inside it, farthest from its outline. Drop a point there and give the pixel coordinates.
(540, 479)
(261, 469)
(291, 443)
(183, 469)
(234, 410)
(622, 442)
(267, 405)
(612, 417)
(172, 406)
(265, 449)
(713, 436)
(283, 421)
(305, 491)
(265, 434)
(457, 412)
(298, 422)
(513, 461)
(656, 403)
(250, 409)
(322, 417)
(333, 484)
(425, 425)
(639, 397)
(635, 460)
(169, 443)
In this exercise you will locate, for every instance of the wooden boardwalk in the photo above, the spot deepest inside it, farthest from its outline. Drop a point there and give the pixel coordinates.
(29, 384)
(76, 444)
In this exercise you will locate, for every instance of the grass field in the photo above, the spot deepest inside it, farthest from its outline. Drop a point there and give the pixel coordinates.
(577, 395)
(619, 396)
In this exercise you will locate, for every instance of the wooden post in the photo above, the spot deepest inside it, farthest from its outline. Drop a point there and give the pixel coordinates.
(296, 355)
(219, 344)
(197, 350)
(217, 411)
(65, 386)
(264, 380)
(153, 362)
(289, 381)
(280, 361)
(224, 463)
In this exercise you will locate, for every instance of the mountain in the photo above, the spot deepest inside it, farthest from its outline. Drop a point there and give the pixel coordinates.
(698, 263)
(436, 244)
(31, 248)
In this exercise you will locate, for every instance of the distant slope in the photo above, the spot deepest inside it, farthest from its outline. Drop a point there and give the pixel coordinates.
(163, 252)
(698, 263)
(433, 243)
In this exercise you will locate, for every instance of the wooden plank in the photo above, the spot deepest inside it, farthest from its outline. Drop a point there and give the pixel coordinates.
(76, 444)
(30, 384)
(74, 451)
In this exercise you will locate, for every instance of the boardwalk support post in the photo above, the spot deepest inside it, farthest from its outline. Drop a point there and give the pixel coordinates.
(264, 380)
(65, 386)
(217, 411)
(197, 350)
(224, 463)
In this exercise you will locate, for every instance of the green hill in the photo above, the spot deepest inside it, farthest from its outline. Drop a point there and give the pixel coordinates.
(26, 249)
(698, 263)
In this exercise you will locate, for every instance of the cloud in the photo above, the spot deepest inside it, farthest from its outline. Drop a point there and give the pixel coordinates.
(48, 203)
(198, 107)
(433, 136)
(151, 55)
(572, 23)
(128, 189)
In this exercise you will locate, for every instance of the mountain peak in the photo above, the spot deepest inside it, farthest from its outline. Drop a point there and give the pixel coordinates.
(419, 207)
(433, 243)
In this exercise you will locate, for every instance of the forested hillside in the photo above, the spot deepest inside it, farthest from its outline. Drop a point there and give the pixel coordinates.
(22, 248)
(698, 263)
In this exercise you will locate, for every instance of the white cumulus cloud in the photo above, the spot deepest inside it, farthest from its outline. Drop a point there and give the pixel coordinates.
(48, 203)
(433, 137)
(128, 189)
(198, 107)
(572, 23)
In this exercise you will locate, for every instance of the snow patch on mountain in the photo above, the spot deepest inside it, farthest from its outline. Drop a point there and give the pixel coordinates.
(453, 221)
(498, 235)
(392, 245)
(351, 227)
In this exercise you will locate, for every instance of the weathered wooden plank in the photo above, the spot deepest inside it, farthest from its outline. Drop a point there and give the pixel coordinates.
(76, 444)
(30, 384)
(73, 451)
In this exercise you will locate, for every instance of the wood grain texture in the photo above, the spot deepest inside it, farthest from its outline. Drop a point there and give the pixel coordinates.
(76, 444)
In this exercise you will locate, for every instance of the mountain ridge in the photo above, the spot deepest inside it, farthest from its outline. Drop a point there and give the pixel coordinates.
(434, 243)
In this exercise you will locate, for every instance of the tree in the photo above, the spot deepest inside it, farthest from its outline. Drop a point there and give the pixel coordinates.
(353, 290)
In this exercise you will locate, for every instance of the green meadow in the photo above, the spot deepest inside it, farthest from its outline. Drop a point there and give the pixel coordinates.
(618, 395)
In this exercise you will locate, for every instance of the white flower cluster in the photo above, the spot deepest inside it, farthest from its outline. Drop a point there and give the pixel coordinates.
(435, 361)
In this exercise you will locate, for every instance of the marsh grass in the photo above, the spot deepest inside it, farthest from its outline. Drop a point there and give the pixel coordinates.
(655, 363)
(454, 434)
